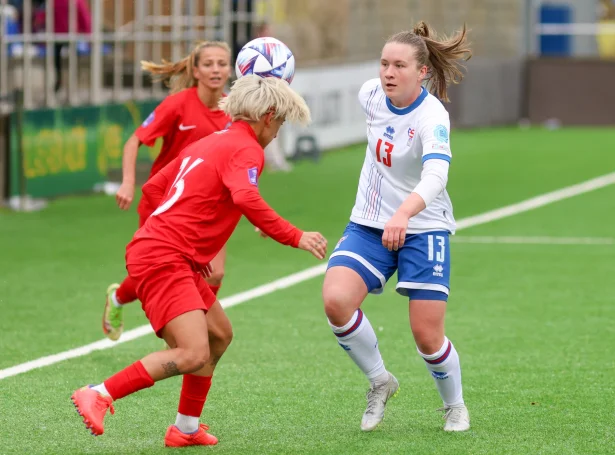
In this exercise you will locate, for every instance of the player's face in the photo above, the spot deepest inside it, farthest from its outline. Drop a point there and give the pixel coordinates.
(400, 74)
(271, 130)
(214, 68)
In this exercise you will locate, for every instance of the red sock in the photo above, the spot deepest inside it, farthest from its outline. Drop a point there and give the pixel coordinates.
(127, 291)
(130, 380)
(193, 395)
(214, 289)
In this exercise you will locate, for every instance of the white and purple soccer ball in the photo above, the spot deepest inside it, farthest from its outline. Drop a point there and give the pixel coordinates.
(266, 57)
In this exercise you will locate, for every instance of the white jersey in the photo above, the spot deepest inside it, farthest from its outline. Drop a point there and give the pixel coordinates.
(399, 141)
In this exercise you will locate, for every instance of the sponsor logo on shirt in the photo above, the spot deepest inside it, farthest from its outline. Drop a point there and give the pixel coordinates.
(183, 127)
(253, 176)
(441, 133)
(389, 132)
(148, 120)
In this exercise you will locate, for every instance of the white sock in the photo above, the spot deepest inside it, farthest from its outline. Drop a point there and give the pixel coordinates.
(186, 424)
(358, 339)
(446, 371)
(100, 388)
(115, 301)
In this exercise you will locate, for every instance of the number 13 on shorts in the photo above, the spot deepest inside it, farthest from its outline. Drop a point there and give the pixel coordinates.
(436, 248)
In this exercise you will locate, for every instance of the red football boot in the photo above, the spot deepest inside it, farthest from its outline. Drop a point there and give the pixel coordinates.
(92, 406)
(175, 438)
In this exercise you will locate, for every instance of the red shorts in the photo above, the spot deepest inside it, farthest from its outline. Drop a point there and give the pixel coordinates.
(168, 290)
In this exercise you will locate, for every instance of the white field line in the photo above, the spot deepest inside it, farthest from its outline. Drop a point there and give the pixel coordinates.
(534, 240)
(312, 272)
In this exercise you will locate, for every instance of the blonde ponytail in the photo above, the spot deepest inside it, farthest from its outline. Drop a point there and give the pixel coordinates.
(178, 75)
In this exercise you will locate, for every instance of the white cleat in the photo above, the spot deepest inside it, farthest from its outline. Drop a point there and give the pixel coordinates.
(457, 418)
(377, 397)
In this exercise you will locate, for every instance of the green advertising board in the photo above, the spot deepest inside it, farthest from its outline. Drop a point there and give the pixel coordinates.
(70, 150)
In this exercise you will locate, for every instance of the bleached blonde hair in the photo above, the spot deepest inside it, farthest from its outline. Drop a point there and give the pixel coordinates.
(252, 96)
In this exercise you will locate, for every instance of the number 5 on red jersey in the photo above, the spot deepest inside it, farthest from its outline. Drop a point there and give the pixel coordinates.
(178, 184)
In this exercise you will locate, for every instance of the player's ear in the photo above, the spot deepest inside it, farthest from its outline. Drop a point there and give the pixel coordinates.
(423, 72)
(269, 118)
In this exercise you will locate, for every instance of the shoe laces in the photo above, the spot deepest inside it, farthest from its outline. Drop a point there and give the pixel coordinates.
(103, 403)
(453, 414)
(372, 397)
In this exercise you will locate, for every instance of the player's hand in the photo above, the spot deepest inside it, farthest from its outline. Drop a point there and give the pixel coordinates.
(207, 271)
(261, 233)
(395, 232)
(315, 243)
(125, 195)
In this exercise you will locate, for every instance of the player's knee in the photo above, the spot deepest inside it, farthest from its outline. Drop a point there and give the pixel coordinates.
(216, 277)
(195, 357)
(338, 308)
(221, 338)
(428, 341)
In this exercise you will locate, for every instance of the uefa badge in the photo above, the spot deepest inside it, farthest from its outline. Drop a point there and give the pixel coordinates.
(410, 136)
(253, 176)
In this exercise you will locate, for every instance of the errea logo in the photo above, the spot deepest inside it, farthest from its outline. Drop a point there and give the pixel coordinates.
(389, 132)
(437, 270)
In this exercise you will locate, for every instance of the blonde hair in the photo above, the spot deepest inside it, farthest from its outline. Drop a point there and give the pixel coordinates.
(178, 76)
(441, 56)
(251, 97)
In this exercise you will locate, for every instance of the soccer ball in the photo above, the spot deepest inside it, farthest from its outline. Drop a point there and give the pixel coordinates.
(266, 57)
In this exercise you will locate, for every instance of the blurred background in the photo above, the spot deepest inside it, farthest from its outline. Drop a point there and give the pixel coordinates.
(532, 182)
(72, 91)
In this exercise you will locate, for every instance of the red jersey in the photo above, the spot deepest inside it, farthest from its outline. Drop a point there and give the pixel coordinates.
(201, 196)
(180, 119)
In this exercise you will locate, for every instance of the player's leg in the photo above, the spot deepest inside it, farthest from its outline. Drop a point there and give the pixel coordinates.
(119, 295)
(217, 264)
(187, 429)
(358, 265)
(196, 386)
(176, 310)
(191, 352)
(424, 273)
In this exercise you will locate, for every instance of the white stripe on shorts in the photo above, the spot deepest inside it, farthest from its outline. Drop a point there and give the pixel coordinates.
(426, 286)
(366, 264)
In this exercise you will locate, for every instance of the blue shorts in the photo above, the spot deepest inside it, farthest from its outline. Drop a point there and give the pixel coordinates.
(423, 263)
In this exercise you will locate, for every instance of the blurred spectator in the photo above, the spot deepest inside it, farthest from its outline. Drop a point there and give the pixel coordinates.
(61, 25)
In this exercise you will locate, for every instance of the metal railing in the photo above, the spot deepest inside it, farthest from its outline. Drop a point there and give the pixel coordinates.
(104, 65)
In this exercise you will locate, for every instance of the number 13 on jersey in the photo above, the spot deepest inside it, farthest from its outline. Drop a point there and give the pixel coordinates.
(384, 158)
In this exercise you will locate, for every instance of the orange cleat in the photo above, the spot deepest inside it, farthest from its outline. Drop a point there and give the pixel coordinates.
(92, 406)
(175, 438)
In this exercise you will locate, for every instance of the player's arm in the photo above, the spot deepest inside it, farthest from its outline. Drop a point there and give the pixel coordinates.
(434, 134)
(156, 125)
(434, 177)
(240, 176)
